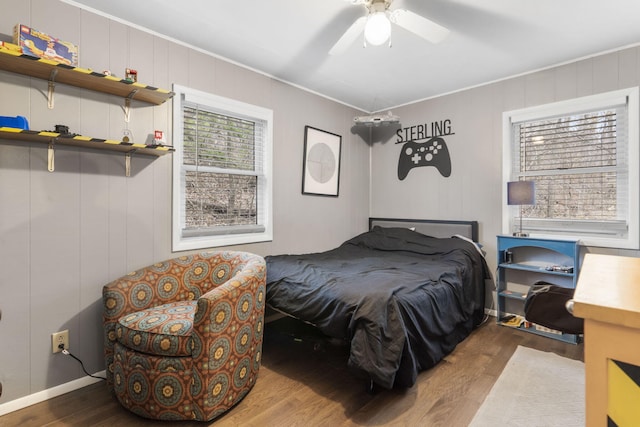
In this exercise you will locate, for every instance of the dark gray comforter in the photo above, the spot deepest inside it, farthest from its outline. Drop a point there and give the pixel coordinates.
(402, 299)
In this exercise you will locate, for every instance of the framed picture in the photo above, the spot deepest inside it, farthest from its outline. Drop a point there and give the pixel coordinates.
(321, 163)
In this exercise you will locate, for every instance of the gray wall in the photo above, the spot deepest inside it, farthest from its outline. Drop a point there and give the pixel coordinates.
(63, 235)
(473, 191)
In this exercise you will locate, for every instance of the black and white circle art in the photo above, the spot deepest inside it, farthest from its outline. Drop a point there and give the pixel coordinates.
(322, 163)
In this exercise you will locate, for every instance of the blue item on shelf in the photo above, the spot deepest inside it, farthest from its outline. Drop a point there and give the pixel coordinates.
(18, 122)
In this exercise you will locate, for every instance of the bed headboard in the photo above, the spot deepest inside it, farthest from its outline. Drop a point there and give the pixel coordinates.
(431, 227)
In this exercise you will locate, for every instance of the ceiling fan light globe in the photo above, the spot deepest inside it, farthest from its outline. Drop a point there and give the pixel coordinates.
(378, 29)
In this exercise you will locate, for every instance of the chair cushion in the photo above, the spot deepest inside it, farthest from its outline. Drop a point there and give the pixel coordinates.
(164, 330)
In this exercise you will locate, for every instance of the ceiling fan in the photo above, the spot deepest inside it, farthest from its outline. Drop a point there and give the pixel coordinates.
(377, 25)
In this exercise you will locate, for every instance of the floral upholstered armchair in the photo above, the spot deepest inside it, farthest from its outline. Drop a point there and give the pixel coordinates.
(183, 338)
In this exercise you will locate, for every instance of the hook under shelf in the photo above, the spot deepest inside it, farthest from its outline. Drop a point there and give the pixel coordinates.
(51, 88)
(51, 157)
(127, 163)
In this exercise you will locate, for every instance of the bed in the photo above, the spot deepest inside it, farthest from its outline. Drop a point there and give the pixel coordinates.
(402, 294)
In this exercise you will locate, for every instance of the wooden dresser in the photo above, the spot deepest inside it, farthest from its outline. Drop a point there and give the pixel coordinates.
(607, 297)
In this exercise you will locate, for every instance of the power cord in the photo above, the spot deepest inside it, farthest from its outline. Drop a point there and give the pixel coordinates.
(68, 353)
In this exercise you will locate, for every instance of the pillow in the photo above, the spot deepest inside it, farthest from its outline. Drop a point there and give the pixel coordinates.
(476, 245)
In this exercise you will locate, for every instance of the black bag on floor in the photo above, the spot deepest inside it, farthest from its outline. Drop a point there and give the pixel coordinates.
(545, 305)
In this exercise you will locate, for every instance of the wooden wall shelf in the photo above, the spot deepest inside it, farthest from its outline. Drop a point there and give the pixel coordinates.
(54, 138)
(55, 72)
(46, 137)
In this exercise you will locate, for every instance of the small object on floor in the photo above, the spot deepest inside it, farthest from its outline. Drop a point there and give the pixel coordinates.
(514, 322)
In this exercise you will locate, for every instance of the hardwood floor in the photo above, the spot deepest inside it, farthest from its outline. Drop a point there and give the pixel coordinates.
(300, 385)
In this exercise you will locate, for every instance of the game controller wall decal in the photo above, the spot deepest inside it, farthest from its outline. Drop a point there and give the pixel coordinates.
(433, 152)
(424, 145)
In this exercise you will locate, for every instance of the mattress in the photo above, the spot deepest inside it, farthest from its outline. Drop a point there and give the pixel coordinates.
(403, 300)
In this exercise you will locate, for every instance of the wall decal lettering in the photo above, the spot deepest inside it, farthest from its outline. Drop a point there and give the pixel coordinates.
(424, 145)
(424, 131)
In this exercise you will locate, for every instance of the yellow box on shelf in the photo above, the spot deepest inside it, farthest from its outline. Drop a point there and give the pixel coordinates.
(41, 45)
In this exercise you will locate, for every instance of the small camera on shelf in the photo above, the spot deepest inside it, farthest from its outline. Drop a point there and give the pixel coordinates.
(62, 129)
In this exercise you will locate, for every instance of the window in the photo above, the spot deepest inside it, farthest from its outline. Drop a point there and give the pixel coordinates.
(221, 171)
(583, 156)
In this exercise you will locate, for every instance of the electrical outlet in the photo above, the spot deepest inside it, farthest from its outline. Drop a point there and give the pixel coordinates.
(58, 338)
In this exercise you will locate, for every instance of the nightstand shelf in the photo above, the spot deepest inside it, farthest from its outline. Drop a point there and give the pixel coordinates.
(513, 295)
(534, 268)
(522, 261)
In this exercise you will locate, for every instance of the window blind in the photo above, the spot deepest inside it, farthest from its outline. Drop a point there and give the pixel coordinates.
(584, 156)
(222, 172)
(580, 171)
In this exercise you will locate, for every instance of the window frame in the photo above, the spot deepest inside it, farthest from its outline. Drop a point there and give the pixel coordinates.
(565, 108)
(234, 108)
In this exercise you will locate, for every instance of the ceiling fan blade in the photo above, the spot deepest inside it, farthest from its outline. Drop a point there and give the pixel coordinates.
(419, 25)
(347, 39)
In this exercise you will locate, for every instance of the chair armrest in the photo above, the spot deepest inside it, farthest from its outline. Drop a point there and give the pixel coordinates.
(244, 291)
(228, 329)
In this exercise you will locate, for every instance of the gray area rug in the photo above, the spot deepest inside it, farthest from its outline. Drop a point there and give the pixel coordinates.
(538, 389)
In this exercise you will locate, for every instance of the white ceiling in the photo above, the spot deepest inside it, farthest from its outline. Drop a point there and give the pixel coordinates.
(290, 39)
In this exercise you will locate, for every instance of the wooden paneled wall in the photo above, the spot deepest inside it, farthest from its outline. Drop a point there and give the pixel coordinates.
(64, 234)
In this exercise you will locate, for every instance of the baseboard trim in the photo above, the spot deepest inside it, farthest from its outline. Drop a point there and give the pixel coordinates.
(41, 396)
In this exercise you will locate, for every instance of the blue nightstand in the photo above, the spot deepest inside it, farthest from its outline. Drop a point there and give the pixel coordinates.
(522, 261)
